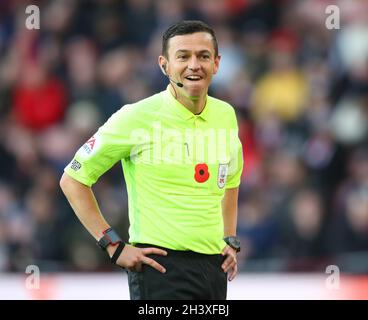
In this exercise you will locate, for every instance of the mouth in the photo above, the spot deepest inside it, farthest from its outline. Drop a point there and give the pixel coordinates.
(194, 78)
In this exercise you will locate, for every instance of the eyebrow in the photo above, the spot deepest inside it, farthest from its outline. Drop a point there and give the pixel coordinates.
(187, 51)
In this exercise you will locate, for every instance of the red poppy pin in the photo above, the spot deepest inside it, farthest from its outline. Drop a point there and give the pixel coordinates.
(201, 173)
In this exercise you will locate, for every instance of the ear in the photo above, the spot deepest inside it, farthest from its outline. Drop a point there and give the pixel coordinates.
(162, 64)
(217, 64)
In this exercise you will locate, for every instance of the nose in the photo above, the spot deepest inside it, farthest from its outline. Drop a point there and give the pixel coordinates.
(194, 64)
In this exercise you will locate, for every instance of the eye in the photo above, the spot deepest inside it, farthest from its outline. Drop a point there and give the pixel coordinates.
(206, 56)
(181, 57)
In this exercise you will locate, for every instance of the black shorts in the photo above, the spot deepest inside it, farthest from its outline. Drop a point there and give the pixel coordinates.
(189, 276)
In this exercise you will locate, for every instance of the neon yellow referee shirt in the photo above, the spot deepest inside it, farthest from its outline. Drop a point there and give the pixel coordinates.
(176, 165)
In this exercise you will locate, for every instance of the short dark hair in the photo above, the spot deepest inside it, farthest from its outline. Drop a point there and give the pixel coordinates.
(187, 27)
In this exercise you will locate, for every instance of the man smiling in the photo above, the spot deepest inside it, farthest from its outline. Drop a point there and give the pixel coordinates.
(182, 213)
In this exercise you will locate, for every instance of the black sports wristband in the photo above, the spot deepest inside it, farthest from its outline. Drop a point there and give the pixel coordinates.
(117, 252)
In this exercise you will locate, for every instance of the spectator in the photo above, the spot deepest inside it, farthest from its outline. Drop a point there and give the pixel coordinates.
(302, 230)
(350, 226)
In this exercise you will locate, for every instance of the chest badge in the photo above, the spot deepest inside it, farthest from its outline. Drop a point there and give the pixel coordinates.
(222, 175)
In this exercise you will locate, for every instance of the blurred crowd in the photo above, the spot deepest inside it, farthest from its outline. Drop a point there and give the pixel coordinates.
(300, 91)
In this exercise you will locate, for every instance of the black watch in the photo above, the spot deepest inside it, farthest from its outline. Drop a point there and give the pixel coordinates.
(233, 242)
(109, 237)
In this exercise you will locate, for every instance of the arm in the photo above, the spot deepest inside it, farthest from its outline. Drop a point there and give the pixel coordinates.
(230, 214)
(85, 206)
(230, 211)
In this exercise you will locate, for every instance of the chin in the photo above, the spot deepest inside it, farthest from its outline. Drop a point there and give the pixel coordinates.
(196, 92)
(194, 95)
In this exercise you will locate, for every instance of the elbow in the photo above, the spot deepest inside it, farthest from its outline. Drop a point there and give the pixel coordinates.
(69, 185)
(64, 182)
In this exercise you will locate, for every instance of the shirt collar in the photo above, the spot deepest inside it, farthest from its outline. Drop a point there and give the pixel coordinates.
(180, 109)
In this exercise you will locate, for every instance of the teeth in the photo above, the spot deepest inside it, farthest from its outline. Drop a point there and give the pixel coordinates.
(194, 77)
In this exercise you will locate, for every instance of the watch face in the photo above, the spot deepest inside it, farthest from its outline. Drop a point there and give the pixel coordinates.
(237, 242)
(233, 242)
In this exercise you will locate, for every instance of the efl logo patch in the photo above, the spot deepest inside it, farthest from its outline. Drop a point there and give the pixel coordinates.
(222, 175)
(75, 165)
(89, 145)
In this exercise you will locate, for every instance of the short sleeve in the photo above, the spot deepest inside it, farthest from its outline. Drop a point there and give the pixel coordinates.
(236, 159)
(111, 143)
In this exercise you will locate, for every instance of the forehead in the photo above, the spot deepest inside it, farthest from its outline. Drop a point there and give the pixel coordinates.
(198, 41)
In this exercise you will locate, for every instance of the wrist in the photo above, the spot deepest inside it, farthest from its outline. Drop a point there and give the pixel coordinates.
(109, 239)
(117, 253)
(233, 242)
(111, 248)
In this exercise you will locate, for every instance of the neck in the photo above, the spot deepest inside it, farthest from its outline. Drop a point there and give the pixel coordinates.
(194, 105)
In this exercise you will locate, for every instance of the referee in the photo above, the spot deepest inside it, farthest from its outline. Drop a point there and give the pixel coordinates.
(182, 162)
